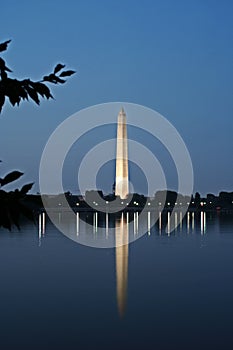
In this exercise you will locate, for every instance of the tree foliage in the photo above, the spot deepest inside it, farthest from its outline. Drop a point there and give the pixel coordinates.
(12, 204)
(17, 90)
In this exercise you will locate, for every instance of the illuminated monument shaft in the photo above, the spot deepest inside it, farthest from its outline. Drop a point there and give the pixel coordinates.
(122, 176)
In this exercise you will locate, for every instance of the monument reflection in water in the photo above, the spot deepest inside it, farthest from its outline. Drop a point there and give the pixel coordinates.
(193, 222)
(122, 254)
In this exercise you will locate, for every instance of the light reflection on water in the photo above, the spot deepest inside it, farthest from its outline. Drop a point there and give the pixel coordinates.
(192, 221)
(197, 221)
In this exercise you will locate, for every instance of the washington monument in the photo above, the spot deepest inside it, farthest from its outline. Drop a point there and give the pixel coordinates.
(122, 173)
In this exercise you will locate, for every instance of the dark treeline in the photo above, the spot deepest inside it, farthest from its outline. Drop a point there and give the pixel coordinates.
(31, 204)
(162, 199)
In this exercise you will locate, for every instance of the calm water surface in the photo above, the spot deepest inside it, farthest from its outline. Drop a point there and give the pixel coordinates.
(163, 291)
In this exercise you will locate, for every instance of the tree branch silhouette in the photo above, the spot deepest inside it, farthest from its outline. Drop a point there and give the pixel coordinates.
(12, 204)
(17, 90)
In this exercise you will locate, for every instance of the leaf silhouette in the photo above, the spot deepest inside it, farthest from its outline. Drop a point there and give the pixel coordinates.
(3, 46)
(58, 67)
(14, 98)
(26, 188)
(14, 175)
(33, 94)
(67, 73)
(42, 89)
(52, 78)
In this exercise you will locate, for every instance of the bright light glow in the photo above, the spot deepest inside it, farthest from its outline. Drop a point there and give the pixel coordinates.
(77, 223)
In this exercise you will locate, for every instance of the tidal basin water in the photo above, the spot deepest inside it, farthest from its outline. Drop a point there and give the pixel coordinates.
(166, 290)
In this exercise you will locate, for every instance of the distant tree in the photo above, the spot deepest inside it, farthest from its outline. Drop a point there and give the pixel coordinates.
(197, 199)
(17, 90)
(12, 205)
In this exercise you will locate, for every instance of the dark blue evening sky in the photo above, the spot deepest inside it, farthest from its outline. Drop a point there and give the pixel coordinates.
(173, 56)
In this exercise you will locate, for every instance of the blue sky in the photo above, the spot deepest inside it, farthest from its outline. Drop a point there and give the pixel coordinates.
(173, 56)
